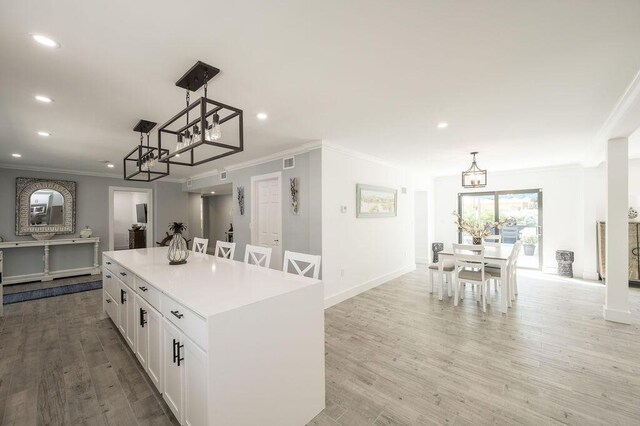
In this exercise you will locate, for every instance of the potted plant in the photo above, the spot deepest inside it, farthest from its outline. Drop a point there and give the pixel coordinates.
(478, 229)
(529, 243)
(178, 252)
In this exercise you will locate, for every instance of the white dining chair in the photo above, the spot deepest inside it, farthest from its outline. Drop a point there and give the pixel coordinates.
(469, 268)
(447, 277)
(512, 266)
(299, 260)
(257, 255)
(225, 250)
(200, 245)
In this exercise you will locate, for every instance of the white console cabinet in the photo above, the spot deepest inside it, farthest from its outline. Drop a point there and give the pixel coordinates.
(224, 342)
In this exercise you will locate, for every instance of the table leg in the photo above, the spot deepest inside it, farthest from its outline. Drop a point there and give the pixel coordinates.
(441, 276)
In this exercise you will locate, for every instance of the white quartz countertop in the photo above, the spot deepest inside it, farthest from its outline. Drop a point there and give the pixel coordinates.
(206, 284)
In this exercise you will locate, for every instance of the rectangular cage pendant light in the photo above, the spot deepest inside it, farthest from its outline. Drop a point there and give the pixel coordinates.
(215, 130)
(142, 163)
(474, 176)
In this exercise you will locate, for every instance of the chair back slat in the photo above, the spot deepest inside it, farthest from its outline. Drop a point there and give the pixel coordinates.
(257, 255)
(468, 256)
(225, 250)
(200, 245)
(298, 260)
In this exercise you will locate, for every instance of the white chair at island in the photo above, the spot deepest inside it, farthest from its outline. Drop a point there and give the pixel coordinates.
(256, 255)
(225, 250)
(200, 245)
(296, 259)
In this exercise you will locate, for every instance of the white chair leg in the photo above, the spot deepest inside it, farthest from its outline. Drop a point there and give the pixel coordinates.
(487, 295)
(430, 280)
(456, 296)
(449, 284)
(463, 287)
(441, 291)
(484, 297)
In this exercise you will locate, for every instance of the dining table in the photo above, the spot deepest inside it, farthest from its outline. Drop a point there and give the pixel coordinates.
(494, 255)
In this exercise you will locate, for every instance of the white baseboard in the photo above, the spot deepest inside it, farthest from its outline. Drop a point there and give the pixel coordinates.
(422, 260)
(360, 288)
(615, 315)
(588, 275)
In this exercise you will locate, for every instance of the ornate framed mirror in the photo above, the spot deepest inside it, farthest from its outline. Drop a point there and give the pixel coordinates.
(45, 207)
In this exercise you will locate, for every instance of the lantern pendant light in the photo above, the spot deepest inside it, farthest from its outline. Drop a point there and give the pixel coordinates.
(142, 163)
(474, 176)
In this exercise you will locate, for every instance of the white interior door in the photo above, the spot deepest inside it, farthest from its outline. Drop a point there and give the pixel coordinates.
(267, 216)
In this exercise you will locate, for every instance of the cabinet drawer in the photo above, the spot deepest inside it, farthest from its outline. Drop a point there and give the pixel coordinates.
(111, 307)
(148, 293)
(110, 284)
(109, 264)
(126, 276)
(191, 324)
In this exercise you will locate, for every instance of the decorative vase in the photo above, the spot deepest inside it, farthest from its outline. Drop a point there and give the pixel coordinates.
(477, 241)
(178, 252)
(633, 213)
(86, 232)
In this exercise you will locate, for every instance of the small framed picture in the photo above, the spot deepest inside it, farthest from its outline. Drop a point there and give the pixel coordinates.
(376, 201)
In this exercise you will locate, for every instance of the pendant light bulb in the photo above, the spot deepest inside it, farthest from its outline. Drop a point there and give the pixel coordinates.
(215, 132)
(180, 143)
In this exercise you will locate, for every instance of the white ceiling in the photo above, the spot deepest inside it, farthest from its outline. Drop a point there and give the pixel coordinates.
(525, 83)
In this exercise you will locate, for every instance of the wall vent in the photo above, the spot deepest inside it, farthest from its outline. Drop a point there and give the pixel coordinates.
(288, 163)
(189, 183)
(223, 175)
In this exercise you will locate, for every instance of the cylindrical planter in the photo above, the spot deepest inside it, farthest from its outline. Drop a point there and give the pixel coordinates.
(529, 250)
(178, 252)
(435, 248)
(477, 241)
(565, 263)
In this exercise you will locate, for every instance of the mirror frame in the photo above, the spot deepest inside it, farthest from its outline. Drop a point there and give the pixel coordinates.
(27, 186)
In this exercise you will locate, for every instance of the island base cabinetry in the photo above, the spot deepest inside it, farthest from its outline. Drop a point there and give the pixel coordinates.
(185, 372)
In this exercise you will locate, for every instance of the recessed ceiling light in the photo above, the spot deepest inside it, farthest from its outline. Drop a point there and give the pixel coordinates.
(443, 125)
(262, 116)
(45, 134)
(44, 99)
(110, 165)
(45, 41)
(16, 155)
(213, 192)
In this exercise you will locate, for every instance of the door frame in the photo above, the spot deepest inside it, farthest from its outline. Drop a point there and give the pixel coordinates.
(496, 212)
(254, 211)
(150, 216)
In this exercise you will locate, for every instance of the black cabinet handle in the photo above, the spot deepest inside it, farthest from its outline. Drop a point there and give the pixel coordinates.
(123, 295)
(175, 356)
(123, 273)
(143, 288)
(142, 320)
(108, 276)
(108, 300)
(177, 314)
(179, 359)
(108, 263)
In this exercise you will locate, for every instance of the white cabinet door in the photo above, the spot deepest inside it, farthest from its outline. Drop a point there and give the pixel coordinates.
(195, 383)
(123, 293)
(110, 307)
(154, 359)
(171, 371)
(130, 335)
(142, 335)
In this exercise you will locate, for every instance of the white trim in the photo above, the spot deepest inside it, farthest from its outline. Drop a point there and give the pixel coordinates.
(614, 315)
(574, 166)
(361, 155)
(150, 212)
(422, 261)
(361, 288)
(63, 273)
(254, 211)
(261, 160)
(73, 172)
(590, 275)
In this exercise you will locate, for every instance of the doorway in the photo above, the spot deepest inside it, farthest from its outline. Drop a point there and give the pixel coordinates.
(524, 206)
(217, 215)
(266, 214)
(130, 218)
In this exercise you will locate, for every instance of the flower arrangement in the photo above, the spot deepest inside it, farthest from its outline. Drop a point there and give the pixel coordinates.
(478, 229)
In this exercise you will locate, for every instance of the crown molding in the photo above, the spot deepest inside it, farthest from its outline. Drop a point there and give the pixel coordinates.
(361, 155)
(306, 147)
(559, 167)
(73, 172)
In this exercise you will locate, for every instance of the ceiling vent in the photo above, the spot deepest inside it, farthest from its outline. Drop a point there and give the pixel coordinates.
(288, 163)
(223, 175)
(189, 183)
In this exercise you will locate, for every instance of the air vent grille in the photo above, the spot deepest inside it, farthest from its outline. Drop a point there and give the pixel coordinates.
(223, 175)
(288, 163)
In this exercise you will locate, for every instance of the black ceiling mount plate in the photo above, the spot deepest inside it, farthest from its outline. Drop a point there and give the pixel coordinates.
(144, 126)
(194, 78)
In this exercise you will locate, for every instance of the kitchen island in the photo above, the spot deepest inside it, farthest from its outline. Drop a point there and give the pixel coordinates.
(224, 342)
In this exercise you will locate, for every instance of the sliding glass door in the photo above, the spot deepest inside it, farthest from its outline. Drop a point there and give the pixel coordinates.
(523, 206)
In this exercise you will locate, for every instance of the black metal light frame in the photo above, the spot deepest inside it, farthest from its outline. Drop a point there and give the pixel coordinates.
(136, 156)
(474, 172)
(193, 80)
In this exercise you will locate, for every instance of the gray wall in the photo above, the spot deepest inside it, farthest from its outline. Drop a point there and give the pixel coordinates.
(194, 227)
(92, 205)
(220, 215)
(301, 232)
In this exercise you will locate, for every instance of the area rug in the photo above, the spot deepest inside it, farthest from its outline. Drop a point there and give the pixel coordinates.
(43, 293)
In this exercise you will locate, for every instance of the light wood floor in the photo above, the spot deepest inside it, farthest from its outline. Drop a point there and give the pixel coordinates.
(395, 355)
